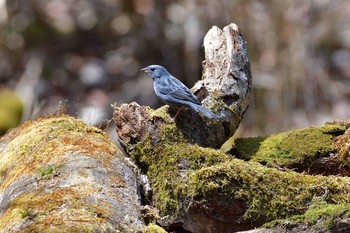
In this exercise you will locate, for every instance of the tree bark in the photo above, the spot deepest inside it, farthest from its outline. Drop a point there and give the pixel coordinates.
(59, 175)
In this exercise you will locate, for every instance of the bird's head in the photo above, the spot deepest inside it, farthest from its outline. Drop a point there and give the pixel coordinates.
(155, 71)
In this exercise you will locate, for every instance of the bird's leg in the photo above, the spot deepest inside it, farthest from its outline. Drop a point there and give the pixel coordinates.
(178, 111)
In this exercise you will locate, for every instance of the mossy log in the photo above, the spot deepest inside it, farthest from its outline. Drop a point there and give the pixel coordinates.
(324, 149)
(263, 182)
(206, 190)
(59, 175)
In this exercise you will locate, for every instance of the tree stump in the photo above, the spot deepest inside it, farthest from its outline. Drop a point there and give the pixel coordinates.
(224, 89)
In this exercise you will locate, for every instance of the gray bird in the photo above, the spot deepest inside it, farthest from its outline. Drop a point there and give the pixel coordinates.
(173, 92)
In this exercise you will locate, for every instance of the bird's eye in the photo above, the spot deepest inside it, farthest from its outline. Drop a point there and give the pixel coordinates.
(152, 69)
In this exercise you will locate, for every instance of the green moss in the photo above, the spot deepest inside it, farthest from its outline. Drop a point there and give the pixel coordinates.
(162, 112)
(22, 213)
(152, 228)
(268, 193)
(320, 215)
(167, 164)
(50, 210)
(246, 148)
(182, 174)
(47, 172)
(295, 147)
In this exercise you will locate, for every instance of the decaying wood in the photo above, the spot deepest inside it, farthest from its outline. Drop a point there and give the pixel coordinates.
(59, 175)
(224, 89)
(203, 189)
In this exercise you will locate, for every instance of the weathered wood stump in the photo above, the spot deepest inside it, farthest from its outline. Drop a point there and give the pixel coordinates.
(224, 89)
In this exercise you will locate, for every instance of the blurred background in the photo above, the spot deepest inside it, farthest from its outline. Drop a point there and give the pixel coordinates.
(86, 55)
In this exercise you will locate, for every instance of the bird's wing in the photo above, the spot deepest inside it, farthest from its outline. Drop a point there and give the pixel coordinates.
(178, 90)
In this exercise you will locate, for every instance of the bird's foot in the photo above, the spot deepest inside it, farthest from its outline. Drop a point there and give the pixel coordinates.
(180, 110)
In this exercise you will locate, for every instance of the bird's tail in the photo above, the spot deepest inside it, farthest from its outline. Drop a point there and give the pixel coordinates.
(204, 111)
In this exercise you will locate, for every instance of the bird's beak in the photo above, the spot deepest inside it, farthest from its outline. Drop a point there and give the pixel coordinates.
(144, 70)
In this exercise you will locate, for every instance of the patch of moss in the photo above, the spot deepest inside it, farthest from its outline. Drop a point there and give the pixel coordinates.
(153, 228)
(246, 148)
(162, 112)
(167, 164)
(182, 173)
(22, 213)
(61, 205)
(324, 215)
(320, 215)
(47, 172)
(300, 146)
(36, 141)
(267, 193)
